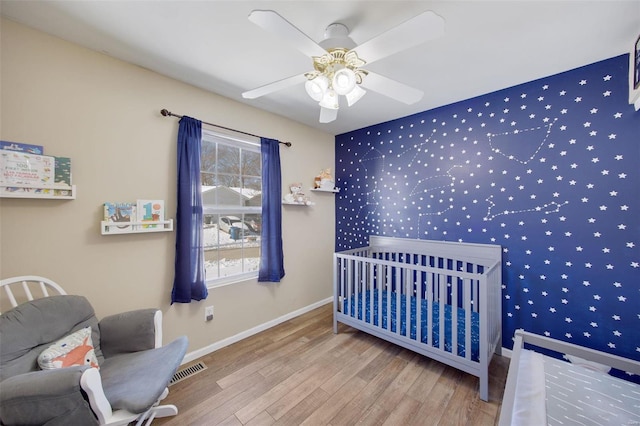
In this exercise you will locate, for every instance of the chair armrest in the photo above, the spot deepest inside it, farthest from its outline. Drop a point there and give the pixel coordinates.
(131, 331)
(53, 397)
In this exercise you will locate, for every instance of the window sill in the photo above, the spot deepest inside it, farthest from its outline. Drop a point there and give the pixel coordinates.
(223, 282)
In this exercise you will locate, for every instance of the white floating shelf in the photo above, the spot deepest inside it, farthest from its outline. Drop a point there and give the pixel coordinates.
(136, 227)
(67, 192)
(285, 203)
(325, 190)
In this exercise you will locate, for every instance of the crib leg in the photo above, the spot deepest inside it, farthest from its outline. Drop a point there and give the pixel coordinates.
(484, 386)
(335, 315)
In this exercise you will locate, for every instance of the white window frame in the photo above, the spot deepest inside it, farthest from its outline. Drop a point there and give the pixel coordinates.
(247, 143)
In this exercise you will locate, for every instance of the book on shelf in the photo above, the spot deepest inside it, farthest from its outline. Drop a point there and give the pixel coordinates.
(121, 214)
(34, 174)
(22, 147)
(62, 175)
(150, 211)
(20, 172)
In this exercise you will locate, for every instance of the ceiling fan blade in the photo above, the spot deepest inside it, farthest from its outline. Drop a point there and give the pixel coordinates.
(275, 86)
(392, 89)
(276, 24)
(417, 30)
(327, 115)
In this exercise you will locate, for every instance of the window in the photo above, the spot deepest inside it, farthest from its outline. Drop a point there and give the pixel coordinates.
(230, 171)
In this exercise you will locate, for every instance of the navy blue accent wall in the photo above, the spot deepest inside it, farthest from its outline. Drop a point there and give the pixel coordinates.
(549, 170)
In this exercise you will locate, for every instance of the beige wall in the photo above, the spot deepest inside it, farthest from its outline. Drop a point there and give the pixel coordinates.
(104, 114)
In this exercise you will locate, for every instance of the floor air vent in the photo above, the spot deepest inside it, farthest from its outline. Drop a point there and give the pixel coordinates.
(185, 373)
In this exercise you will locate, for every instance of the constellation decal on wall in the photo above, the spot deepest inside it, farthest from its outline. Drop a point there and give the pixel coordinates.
(510, 136)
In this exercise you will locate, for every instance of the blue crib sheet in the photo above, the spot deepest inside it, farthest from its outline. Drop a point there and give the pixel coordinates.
(435, 309)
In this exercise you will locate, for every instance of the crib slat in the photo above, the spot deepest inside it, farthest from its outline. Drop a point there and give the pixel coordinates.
(389, 282)
(454, 315)
(442, 301)
(407, 302)
(398, 283)
(350, 287)
(466, 289)
(380, 282)
(476, 289)
(429, 330)
(343, 284)
(419, 306)
(370, 284)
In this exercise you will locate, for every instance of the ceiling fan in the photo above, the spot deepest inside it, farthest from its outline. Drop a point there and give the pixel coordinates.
(338, 61)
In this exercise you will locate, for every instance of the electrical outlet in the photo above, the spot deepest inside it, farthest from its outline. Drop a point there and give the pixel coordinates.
(208, 313)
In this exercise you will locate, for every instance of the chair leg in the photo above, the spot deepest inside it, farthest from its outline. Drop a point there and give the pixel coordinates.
(157, 411)
(165, 410)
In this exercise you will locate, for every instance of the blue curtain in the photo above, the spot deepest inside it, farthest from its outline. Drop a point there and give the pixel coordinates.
(271, 256)
(189, 280)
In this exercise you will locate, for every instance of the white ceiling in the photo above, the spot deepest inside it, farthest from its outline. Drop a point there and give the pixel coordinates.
(212, 45)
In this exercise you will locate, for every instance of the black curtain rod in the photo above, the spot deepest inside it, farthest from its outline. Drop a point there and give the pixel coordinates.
(167, 113)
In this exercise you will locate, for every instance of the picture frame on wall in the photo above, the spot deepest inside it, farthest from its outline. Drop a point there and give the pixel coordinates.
(634, 74)
(636, 65)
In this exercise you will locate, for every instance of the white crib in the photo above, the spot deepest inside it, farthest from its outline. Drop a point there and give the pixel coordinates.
(389, 288)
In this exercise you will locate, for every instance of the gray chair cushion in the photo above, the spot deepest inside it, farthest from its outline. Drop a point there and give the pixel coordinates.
(131, 331)
(134, 381)
(31, 327)
(51, 397)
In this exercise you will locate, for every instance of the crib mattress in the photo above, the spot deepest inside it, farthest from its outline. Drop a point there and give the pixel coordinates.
(353, 307)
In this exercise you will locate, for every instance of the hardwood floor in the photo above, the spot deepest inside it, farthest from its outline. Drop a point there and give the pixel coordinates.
(300, 373)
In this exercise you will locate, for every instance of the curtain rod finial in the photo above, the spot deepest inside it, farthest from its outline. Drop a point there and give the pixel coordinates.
(164, 112)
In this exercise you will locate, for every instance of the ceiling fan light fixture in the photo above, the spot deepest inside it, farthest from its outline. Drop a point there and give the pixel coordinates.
(330, 100)
(355, 95)
(328, 115)
(317, 87)
(344, 80)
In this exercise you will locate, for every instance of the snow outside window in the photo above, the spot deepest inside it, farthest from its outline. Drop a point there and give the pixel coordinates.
(231, 176)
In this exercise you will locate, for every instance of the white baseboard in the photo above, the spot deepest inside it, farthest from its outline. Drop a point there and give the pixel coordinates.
(507, 353)
(191, 356)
